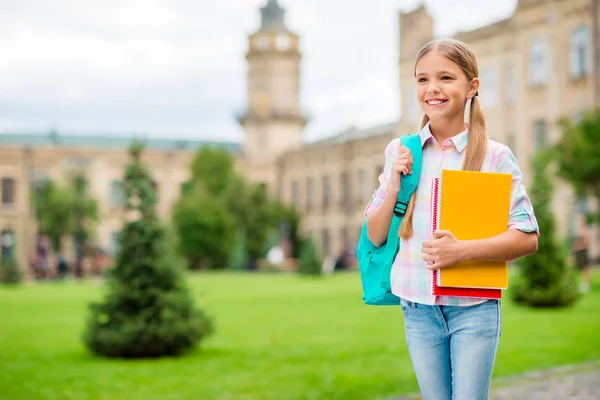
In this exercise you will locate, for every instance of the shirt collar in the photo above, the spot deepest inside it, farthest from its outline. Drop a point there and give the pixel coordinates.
(460, 140)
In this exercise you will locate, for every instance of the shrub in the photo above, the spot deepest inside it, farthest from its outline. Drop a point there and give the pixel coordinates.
(545, 280)
(148, 310)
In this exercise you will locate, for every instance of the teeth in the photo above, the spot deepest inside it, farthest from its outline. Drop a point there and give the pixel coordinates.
(435, 102)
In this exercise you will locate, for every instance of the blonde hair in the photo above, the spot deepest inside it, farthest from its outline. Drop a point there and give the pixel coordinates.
(460, 54)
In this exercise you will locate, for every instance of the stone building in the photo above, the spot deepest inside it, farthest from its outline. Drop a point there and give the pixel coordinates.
(536, 66)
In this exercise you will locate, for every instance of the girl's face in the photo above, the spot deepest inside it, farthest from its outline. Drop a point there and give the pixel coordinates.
(442, 87)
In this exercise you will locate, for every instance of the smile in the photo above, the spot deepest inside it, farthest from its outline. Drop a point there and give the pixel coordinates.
(436, 102)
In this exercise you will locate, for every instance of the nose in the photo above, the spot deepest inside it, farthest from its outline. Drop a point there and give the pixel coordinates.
(433, 87)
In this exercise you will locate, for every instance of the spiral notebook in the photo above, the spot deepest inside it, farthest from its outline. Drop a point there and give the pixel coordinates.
(476, 206)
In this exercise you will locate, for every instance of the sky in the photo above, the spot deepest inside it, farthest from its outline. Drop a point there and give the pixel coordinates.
(176, 68)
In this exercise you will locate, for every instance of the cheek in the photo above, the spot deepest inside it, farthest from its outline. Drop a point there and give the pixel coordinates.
(421, 91)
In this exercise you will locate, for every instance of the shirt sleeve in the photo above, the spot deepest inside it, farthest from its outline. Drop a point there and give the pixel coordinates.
(391, 153)
(521, 215)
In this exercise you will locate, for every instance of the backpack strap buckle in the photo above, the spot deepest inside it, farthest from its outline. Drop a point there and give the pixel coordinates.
(400, 209)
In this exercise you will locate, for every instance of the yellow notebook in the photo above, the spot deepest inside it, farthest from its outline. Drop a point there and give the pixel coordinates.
(472, 205)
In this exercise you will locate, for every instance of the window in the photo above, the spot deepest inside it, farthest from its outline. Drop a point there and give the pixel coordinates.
(361, 184)
(539, 130)
(344, 190)
(539, 62)
(155, 189)
(489, 87)
(8, 243)
(117, 194)
(511, 83)
(8, 192)
(309, 194)
(114, 243)
(76, 162)
(580, 51)
(295, 195)
(326, 192)
(581, 205)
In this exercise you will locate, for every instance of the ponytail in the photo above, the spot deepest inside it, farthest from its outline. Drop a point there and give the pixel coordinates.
(476, 149)
(478, 140)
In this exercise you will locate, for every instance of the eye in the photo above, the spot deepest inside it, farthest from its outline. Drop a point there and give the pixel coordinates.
(446, 78)
(422, 80)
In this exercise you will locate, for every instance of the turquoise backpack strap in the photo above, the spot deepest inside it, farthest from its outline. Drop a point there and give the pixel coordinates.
(408, 184)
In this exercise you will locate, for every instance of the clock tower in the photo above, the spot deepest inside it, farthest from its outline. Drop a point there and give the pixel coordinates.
(273, 121)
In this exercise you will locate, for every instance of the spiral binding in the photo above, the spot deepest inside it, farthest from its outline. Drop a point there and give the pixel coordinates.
(434, 224)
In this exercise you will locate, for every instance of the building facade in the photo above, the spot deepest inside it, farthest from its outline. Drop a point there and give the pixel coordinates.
(536, 66)
(27, 160)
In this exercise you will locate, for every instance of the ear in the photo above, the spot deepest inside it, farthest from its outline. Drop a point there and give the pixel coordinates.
(473, 88)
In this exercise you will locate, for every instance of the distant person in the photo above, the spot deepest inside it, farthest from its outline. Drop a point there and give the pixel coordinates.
(43, 257)
(580, 248)
(62, 267)
(452, 341)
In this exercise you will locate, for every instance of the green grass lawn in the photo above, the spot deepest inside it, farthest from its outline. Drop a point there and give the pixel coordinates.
(277, 337)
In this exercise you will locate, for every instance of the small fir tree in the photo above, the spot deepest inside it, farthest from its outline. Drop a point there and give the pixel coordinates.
(148, 310)
(545, 280)
(11, 273)
(310, 262)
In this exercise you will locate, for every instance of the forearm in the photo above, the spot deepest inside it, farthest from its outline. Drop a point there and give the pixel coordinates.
(378, 223)
(506, 246)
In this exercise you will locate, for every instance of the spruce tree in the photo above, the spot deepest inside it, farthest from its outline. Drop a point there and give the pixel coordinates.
(545, 280)
(147, 310)
(11, 273)
(310, 263)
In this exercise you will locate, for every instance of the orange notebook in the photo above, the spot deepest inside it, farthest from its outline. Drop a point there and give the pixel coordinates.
(473, 205)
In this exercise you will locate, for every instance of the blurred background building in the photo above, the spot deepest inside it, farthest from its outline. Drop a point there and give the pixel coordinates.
(536, 66)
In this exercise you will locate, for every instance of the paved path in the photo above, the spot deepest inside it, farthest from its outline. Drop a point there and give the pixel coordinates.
(573, 382)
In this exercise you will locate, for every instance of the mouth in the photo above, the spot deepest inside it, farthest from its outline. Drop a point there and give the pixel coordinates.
(436, 102)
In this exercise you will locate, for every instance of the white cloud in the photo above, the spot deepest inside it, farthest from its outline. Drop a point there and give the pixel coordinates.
(177, 67)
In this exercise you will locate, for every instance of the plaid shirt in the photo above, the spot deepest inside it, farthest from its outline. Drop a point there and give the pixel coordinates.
(410, 279)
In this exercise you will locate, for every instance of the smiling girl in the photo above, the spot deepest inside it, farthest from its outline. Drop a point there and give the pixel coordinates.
(452, 340)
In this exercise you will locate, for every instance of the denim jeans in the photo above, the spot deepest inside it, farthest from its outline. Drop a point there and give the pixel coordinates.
(452, 348)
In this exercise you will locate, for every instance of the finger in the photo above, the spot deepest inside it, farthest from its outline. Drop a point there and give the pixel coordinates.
(431, 267)
(428, 243)
(441, 233)
(400, 169)
(427, 252)
(434, 266)
(428, 258)
(404, 163)
(403, 156)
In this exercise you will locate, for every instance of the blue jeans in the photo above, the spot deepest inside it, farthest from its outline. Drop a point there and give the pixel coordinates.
(452, 348)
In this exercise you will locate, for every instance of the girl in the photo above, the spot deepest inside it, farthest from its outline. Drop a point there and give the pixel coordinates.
(452, 341)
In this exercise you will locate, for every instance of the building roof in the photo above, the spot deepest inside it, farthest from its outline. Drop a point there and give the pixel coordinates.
(105, 142)
(353, 133)
(272, 16)
(487, 31)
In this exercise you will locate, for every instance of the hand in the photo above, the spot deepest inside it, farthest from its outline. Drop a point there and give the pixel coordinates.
(402, 165)
(443, 250)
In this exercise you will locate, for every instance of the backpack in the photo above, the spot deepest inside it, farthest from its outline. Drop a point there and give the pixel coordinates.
(375, 263)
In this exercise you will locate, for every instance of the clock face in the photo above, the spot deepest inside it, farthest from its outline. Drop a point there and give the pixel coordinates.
(283, 42)
(261, 43)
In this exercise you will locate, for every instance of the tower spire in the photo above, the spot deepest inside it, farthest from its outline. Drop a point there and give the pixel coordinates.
(272, 15)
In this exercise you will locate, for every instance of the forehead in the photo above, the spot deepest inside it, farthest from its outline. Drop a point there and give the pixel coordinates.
(434, 61)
